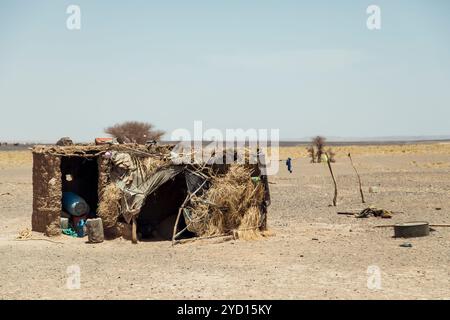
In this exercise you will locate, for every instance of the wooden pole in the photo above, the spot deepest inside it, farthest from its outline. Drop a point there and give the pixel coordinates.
(133, 230)
(359, 179)
(334, 180)
(188, 197)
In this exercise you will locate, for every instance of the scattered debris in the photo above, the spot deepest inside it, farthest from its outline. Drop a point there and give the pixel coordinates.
(375, 212)
(438, 209)
(69, 232)
(406, 245)
(370, 211)
(26, 235)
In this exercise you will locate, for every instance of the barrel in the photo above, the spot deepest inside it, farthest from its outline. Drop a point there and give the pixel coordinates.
(74, 204)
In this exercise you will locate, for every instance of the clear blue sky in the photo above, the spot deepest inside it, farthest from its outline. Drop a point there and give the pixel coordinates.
(305, 67)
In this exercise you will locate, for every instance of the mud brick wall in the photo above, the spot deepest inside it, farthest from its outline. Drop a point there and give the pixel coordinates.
(47, 194)
(103, 174)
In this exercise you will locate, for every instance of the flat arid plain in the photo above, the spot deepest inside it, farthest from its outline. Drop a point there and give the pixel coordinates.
(314, 252)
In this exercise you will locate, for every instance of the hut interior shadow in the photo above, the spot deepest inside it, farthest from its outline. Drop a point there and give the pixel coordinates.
(80, 175)
(158, 214)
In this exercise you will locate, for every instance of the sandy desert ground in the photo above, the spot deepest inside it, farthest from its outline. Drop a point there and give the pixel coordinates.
(315, 253)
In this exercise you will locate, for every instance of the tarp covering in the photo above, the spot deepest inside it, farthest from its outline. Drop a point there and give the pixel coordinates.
(135, 184)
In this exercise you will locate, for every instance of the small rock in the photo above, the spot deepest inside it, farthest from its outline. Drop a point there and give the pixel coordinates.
(373, 189)
(314, 239)
(406, 245)
(438, 209)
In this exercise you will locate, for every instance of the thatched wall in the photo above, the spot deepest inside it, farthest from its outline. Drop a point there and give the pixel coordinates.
(46, 194)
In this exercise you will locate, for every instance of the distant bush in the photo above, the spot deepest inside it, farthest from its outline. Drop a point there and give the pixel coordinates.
(317, 150)
(134, 131)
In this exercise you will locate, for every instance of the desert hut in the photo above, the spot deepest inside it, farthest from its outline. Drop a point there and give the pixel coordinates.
(147, 192)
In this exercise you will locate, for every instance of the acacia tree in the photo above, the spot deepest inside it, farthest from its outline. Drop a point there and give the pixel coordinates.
(134, 131)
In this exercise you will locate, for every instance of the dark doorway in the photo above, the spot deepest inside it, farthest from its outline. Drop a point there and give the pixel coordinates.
(158, 215)
(80, 175)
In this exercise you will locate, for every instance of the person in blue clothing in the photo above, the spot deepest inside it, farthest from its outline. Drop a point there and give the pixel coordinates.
(289, 164)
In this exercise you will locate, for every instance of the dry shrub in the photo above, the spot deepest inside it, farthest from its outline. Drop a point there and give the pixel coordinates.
(319, 143)
(109, 205)
(312, 154)
(317, 150)
(230, 205)
(134, 131)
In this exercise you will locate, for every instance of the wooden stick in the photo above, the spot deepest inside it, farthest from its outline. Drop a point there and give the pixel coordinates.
(359, 179)
(334, 180)
(178, 218)
(188, 197)
(225, 236)
(348, 213)
(133, 230)
(39, 239)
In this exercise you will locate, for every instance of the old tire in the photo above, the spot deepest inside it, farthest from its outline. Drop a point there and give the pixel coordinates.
(411, 229)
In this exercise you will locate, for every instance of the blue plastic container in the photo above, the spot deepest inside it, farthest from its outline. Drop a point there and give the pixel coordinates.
(74, 204)
(81, 228)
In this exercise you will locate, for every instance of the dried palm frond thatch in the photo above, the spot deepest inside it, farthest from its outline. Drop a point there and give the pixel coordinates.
(230, 206)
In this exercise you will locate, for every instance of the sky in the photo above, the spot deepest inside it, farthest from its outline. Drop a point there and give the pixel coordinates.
(303, 67)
